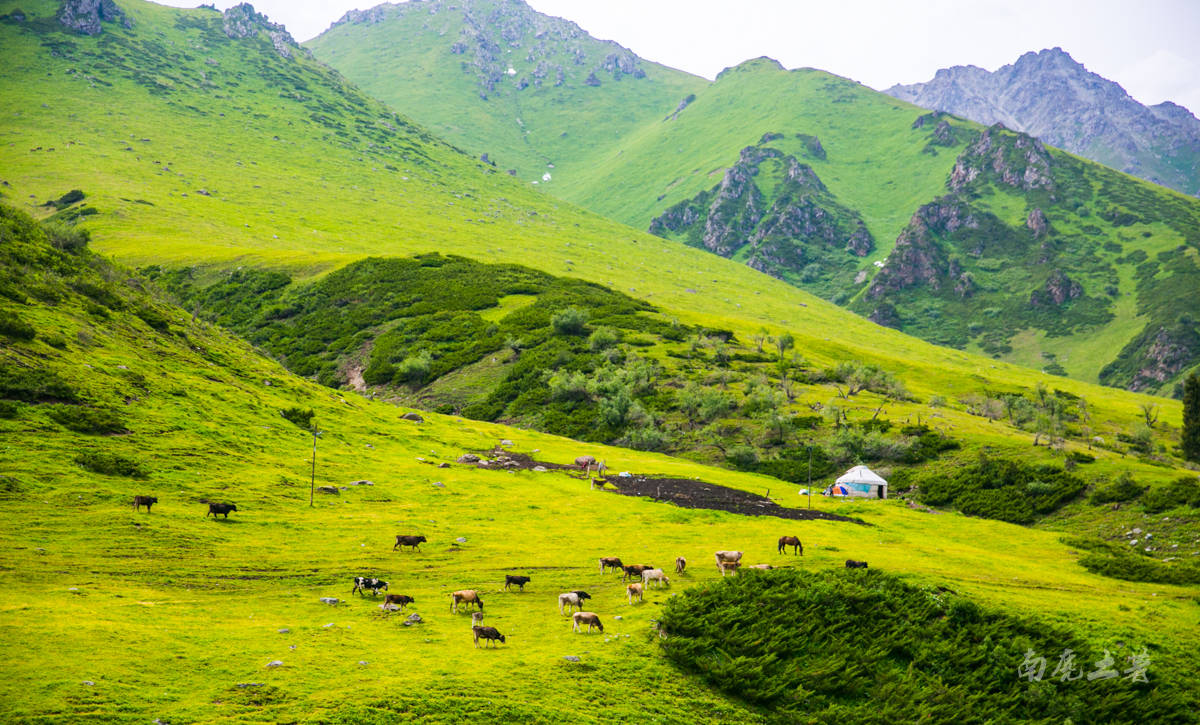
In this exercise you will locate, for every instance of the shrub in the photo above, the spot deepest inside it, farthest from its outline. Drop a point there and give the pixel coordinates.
(152, 317)
(9, 409)
(1123, 489)
(863, 646)
(11, 325)
(648, 438)
(66, 236)
(571, 321)
(742, 456)
(95, 421)
(602, 339)
(111, 464)
(302, 418)
(1184, 491)
(1003, 489)
(414, 370)
(34, 385)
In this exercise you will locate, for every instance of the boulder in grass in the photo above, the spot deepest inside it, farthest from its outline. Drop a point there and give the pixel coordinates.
(468, 458)
(413, 417)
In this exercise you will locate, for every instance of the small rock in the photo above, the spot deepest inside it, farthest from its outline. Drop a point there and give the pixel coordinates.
(539, 469)
(362, 663)
(244, 685)
(443, 464)
(413, 619)
(292, 647)
(618, 617)
(89, 683)
(285, 630)
(571, 658)
(362, 483)
(1134, 542)
(468, 458)
(326, 626)
(275, 663)
(461, 539)
(1136, 531)
(329, 600)
(439, 484)
(413, 417)
(329, 489)
(506, 442)
(73, 589)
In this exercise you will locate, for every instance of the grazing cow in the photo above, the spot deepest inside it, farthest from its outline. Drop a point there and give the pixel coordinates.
(363, 583)
(634, 571)
(792, 541)
(140, 501)
(852, 564)
(655, 575)
(520, 581)
(680, 564)
(572, 599)
(635, 590)
(764, 567)
(610, 562)
(400, 600)
(465, 596)
(411, 541)
(591, 619)
(220, 508)
(724, 566)
(728, 556)
(489, 634)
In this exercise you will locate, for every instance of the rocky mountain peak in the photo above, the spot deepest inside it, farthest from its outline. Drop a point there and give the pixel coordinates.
(243, 21)
(87, 16)
(1052, 96)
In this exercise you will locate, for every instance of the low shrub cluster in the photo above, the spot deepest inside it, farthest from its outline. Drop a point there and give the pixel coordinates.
(94, 421)
(863, 646)
(111, 464)
(1008, 490)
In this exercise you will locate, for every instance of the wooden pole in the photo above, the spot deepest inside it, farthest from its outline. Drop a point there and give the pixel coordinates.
(312, 483)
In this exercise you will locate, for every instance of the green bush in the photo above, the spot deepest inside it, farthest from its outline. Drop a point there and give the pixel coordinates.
(301, 417)
(95, 421)
(570, 321)
(1123, 489)
(12, 326)
(1184, 491)
(34, 385)
(9, 409)
(853, 646)
(601, 339)
(998, 488)
(111, 464)
(414, 370)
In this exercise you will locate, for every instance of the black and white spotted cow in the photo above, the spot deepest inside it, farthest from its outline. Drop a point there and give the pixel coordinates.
(363, 583)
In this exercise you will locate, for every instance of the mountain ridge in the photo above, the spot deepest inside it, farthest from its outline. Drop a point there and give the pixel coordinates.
(1050, 95)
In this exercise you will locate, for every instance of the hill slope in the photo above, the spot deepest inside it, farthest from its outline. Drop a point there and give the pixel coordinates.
(685, 174)
(108, 393)
(1052, 96)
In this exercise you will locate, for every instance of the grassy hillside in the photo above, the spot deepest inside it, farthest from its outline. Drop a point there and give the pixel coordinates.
(880, 160)
(536, 93)
(176, 616)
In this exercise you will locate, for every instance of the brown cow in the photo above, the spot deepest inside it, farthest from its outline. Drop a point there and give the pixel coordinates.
(488, 634)
(610, 562)
(140, 501)
(412, 541)
(732, 566)
(635, 590)
(792, 541)
(465, 596)
(634, 571)
(591, 619)
(680, 564)
(400, 600)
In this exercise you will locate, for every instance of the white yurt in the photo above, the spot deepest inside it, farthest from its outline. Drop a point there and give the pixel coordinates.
(862, 482)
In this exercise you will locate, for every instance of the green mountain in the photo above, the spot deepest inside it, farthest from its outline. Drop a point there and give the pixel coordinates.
(443, 283)
(689, 171)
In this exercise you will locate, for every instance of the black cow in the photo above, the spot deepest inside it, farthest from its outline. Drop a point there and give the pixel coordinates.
(852, 564)
(413, 541)
(520, 581)
(140, 501)
(491, 634)
(363, 583)
(220, 508)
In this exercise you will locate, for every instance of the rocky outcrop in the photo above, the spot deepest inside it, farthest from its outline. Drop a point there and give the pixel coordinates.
(1056, 99)
(242, 21)
(1058, 290)
(802, 226)
(918, 259)
(88, 16)
(1014, 159)
(1036, 222)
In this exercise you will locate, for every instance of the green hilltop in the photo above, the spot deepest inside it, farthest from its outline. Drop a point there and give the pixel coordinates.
(1127, 249)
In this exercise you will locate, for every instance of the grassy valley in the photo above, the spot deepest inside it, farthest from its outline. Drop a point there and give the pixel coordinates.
(212, 245)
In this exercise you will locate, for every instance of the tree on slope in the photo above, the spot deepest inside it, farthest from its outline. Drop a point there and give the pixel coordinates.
(1191, 418)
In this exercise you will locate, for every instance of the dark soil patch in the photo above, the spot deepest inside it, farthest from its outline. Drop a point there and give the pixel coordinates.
(703, 495)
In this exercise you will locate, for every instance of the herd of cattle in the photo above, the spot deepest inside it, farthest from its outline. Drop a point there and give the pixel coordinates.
(643, 575)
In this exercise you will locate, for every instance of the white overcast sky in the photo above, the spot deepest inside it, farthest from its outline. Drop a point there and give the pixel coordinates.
(1151, 47)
